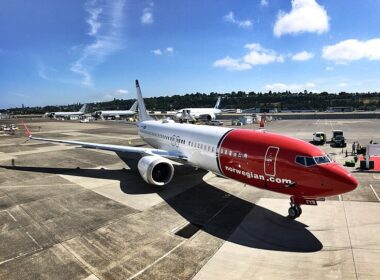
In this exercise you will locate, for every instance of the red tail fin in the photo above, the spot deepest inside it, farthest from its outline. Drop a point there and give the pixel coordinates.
(27, 131)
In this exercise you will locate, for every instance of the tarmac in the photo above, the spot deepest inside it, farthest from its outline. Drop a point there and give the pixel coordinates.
(74, 213)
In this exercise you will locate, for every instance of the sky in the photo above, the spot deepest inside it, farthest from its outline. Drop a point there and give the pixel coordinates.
(65, 52)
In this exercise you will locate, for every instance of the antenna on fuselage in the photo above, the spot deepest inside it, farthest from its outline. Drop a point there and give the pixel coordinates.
(143, 115)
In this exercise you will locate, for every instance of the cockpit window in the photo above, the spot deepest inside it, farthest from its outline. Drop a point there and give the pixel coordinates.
(300, 160)
(305, 161)
(310, 161)
(322, 159)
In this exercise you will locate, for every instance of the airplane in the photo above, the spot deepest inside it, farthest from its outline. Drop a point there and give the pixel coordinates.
(116, 114)
(81, 112)
(260, 159)
(194, 114)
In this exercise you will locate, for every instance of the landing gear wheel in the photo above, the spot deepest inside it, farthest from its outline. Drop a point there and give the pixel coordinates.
(294, 211)
(299, 209)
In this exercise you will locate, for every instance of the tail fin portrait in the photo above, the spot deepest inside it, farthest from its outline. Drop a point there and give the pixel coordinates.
(143, 115)
(83, 109)
(217, 103)
(134, 106)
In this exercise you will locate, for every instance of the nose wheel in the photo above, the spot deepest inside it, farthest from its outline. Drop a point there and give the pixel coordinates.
(294, 211)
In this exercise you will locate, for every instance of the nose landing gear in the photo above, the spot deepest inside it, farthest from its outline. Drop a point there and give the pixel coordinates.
(294, 211)
(295, 205)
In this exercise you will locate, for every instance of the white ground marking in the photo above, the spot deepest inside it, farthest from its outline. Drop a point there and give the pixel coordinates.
(349, 238)
(35, 242)
(331, 125)
(30, 185)
(378, 198)
(21, 255)
(156, 261)
(91, 277)
(14, 219)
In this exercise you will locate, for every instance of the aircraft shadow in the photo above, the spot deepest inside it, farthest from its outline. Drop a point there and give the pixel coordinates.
(210, 209)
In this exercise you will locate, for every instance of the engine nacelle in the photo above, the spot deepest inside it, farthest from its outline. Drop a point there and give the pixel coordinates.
(155, 170)
(207, 117)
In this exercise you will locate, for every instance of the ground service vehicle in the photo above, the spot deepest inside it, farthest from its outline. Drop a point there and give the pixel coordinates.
(319, 138)
(335, 133)
(340, 141)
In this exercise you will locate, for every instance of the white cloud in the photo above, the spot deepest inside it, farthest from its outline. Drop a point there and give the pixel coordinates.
(280, 87)
(147, 14)
(329, 68)
(105, 22)
(119, 94)
(157, 52)
(92, 20)
(342, 85)
(41, 71)
(232, 64)
(230, 17)
(303, 56)
(352, 49)
(264, 3)
(167, 50)
(305, 16)
(256, 55)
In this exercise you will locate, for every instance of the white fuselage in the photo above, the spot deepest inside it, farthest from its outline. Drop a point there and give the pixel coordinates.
(197, 143)
(115, 113)
(63, 114)
(197, 112)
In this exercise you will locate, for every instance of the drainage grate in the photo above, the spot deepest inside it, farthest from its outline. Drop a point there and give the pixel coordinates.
(189, 230)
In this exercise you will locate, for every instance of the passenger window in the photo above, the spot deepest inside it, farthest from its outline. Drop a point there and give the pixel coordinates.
(300, 160)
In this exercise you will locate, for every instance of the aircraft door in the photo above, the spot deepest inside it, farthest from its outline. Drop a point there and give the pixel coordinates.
(270, 161)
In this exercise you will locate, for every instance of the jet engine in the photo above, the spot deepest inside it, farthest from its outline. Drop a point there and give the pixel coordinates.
(207, 117)
(155, 170)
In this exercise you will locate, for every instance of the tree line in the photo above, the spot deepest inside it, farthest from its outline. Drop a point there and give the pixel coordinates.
(243, 100)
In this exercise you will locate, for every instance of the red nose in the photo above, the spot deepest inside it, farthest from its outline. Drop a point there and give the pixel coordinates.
(345, 181)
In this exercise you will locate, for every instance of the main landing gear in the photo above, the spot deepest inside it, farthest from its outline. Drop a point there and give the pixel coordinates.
(295, 205)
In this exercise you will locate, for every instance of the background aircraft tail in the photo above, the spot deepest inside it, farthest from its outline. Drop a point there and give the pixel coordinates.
(134, 106)
(143, 115)
(83, 109)
(217, 103)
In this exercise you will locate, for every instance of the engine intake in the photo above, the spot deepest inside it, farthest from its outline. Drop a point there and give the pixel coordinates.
(155, 170)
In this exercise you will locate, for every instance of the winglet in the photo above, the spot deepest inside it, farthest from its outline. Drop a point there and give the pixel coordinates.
(143, 114)
(27, 131)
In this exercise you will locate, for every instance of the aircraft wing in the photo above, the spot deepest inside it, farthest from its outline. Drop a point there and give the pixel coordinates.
(115, 148)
